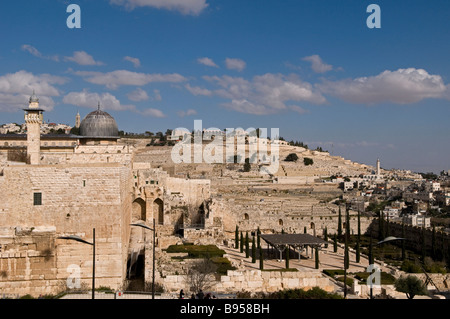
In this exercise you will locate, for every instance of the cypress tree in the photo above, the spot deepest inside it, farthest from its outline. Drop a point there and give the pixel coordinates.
(241, 242)
(347, 224)
(317, 258)
(287, 257)
(424, 246)
(433, 243)
(236, 238)
(346, 255)
(381, 226)
(358, 252)
(387, 226)
(258, 239)
(247, 246)
(253, 250)
(403, 242)
(347, 234)
(370, 252)
(325, 237)
(359, 226)
(339, 230)
(261, 259)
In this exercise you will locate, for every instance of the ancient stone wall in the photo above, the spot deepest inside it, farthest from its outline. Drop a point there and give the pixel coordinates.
(257, 281)
(73, 200)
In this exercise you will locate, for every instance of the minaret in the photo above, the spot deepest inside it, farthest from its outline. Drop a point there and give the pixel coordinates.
(378, 167)
(33, 119)
(77, 120)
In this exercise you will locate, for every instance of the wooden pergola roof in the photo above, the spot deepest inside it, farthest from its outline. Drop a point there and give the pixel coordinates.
(294, 240)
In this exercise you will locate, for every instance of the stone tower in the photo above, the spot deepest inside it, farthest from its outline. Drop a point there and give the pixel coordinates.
(77, 120)
(378, 167)
(33, 119)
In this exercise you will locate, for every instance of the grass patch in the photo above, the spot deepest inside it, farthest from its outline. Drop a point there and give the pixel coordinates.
(197, 251)
(223, 265)
(282, 269)
(386, 279)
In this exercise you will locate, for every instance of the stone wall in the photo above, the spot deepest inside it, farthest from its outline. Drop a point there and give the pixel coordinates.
(75, 199)
(254, 281)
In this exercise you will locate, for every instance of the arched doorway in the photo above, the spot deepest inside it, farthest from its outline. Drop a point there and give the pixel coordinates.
(158, 211)
(139, 211)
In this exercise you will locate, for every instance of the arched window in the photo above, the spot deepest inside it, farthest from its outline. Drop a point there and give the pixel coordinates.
(280, 222)
(246, 216)
(158, 211)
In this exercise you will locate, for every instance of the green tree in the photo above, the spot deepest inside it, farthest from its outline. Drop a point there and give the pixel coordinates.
(247, 165)
(433, 243)
(403, 242)
(258, 239)
(325, 236)
(241, 243)
(247, 246)
(381, 226)
(261, 259)
(317, 258)
(370, 251)
(287, 257)
(253, 250)
(308, 161)
(411, 286)
(424, 245)
(358, 240)
(339, 228)
(236, 238)
(292, 157)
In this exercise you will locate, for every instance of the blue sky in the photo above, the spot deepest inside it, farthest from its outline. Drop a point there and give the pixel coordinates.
(313, 69)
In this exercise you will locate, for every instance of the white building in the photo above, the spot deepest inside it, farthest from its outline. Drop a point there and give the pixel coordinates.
(432, 186)
(417, 220)
(390, 212)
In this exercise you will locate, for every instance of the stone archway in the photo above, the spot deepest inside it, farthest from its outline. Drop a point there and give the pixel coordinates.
(158, 211)
(139, 211)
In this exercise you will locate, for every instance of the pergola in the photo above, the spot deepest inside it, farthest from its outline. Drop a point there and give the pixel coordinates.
(297, 241)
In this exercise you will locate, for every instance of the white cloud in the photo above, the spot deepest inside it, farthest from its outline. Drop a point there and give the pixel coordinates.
(265, 94)
(196, 90)
(138, 95)
(82, 58)
(207, 61)
(114, 79)
(298, 109)
(157, 95)
(235, 64)
(317, 64)
(136, 62)
(33, 51)
(16, 89)
(185, 7)
(86, 99)
(152, 112)
(402, 86)
(186, 113)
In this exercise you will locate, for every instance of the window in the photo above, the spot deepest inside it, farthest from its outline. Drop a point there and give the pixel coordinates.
(37, 199)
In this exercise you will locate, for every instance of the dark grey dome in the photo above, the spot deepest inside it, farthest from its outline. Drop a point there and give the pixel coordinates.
(99, 124)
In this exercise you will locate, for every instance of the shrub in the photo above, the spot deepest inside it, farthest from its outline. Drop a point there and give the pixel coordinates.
(313, 293)
(291, 157)
(308, 161)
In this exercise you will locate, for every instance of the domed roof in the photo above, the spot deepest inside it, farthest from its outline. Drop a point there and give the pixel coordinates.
(99, 124)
